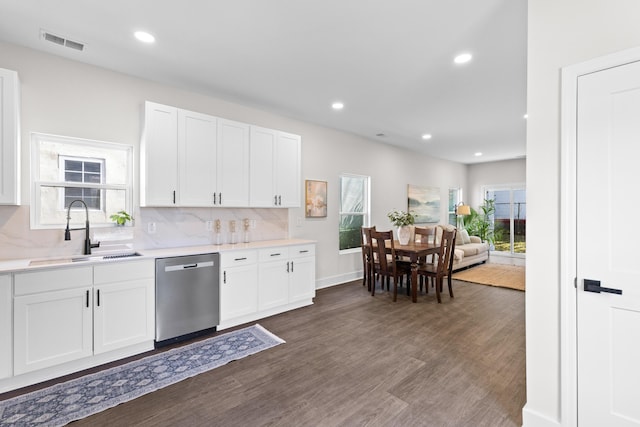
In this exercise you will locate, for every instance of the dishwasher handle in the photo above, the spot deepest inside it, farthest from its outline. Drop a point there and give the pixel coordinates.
(181, 267)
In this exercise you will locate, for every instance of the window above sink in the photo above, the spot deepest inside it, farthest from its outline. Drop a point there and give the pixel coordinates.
(66, 168)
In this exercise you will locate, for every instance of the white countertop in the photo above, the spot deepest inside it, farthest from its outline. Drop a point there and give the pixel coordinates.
(10, 266)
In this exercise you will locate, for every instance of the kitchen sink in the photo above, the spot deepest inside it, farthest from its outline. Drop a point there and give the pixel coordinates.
(84, 258)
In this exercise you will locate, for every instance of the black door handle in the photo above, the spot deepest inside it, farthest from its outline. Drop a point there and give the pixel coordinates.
(594, 286)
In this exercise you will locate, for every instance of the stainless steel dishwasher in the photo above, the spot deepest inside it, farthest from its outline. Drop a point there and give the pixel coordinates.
(187, 297)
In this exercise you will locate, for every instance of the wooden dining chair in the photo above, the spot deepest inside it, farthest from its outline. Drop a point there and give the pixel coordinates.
(386, 264)
(441, 268)
(425, 235)
(367, 256)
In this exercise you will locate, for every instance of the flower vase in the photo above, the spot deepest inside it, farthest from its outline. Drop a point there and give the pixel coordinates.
(404, 234)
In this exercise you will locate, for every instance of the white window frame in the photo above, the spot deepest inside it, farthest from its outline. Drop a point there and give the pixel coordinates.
(37, 184)
(458, 190)
(366, 208)
(61, 162)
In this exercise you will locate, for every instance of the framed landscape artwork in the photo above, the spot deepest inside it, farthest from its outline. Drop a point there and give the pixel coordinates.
(424, 202)
(315, 195)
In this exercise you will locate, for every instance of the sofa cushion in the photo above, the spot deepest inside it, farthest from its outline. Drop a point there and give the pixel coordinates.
(471, 249)
(465, 237)
(458, 254)
(475, 239)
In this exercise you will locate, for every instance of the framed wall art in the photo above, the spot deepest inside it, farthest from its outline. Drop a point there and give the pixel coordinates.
(425, 203)
(315, 196)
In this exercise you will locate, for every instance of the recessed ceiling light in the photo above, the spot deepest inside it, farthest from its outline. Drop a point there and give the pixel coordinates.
(526, 116)
(144, 37)
(426, 136)
(337, 105)
(478, 154)
(463, 58)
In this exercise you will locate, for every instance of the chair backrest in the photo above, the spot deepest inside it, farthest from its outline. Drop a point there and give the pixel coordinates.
(445, 253)
(365, 234)
(426, 234)
(382, 243)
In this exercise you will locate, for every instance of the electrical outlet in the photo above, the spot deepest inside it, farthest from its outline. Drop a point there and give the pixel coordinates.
(209, 225)
(151, 227)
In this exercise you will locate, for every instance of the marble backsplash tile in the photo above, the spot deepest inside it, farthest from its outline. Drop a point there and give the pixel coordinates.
(173, 227)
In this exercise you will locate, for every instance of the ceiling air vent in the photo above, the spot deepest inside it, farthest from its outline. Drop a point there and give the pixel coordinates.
(61, 41)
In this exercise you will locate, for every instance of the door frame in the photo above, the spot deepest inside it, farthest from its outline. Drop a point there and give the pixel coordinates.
(568, 233)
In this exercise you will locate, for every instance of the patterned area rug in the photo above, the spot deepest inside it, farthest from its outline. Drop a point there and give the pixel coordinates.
(505, 276)
(75, 399)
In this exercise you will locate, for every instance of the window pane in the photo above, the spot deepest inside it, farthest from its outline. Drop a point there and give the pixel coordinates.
(91, 167)
(54, 205)
(73, 165)
(92, 178)
(352, 194)
(350, 236)
(73, 177)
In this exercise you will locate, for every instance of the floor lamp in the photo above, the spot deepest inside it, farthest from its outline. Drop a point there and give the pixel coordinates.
(461, 211)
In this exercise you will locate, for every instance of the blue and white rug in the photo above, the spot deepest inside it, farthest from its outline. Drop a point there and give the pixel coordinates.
(75, 399)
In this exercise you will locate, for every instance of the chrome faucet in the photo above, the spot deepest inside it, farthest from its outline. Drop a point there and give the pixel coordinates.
(67, 232)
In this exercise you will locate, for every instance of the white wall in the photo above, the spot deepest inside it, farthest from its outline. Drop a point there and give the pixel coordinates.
(493, 173)
(73, 99)
(560, 33)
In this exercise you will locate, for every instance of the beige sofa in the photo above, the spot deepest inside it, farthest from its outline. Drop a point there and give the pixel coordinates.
(469, 250)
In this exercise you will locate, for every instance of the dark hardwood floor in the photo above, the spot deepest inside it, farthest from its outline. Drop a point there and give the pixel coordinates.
(352, 360)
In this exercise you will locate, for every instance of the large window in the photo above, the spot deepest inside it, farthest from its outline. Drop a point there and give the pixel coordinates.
(509, 219)
(455, 197)
(64, 169)
(354, 210)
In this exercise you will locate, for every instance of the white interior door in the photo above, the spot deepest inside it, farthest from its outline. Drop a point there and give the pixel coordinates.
(608, 321)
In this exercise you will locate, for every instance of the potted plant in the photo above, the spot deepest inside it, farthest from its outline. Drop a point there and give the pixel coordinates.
(480, 222)
(121, 218)
(402, 220)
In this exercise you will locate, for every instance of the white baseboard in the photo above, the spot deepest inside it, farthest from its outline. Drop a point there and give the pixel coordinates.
(531, 418)
(339, 279)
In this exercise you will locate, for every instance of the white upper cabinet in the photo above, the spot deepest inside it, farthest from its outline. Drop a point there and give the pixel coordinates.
(9, 138)
(197, 141)
(233, 163)
(275, 168)
(159, 153)
(192, 159)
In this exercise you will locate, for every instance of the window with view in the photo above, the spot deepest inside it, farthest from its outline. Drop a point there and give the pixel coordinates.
(354, 210)
(65, 169)
(455, 196)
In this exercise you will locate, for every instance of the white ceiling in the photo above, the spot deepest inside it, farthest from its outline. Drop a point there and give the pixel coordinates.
(389, 61)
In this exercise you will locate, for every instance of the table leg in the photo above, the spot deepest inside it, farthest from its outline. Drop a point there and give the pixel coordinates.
(414, 280)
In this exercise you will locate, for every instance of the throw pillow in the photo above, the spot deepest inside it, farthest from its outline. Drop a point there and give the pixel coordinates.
(465, 237)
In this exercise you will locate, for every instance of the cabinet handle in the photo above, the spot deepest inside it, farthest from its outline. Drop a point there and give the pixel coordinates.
(87, 299)
(240, 259)
(224, 277)
(214, 198)
(275, 200)
(220, 199)
(292, 266)
(174, 197)
(287, 266)
(304, 252)
(276, 254)
(279, 200)
(98, 295)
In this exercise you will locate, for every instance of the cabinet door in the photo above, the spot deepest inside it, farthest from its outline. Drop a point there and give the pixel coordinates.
(9, 138)
(123, 314)
(6, 326)
(273, 289)
(51, 328)
(287, 170)
(262, 147)
(238, 291)
(302, 279)
(197, 142)
(159, 153)
(233, 163)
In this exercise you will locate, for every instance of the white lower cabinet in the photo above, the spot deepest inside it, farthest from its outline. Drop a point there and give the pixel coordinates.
(261, 283)
(274, 278)
(238, 284)
(6, 326)
(52, 318)
(62, 315)
(124, 305)
(302, 277)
